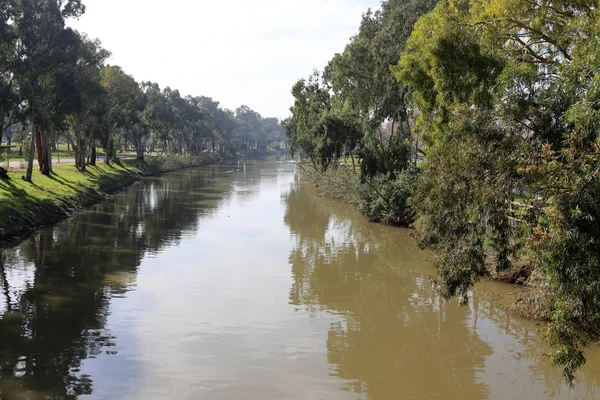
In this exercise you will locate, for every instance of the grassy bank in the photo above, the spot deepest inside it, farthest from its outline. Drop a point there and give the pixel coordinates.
(48, 199)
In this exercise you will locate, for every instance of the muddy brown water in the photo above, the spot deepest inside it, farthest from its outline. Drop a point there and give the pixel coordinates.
(235, 281)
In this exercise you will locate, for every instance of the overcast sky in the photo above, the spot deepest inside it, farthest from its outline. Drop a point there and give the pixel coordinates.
(235, 51)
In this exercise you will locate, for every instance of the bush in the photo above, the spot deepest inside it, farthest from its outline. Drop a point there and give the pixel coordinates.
(338, 182)
(26, 149)
(387, 200)
(4, 161)
(173, 162)
(380, 199)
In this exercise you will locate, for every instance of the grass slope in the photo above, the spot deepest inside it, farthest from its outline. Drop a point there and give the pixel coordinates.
(48, 199)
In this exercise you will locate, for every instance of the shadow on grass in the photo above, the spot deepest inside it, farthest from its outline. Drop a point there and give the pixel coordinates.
(22, 212)
(56, 177)
(11, 188)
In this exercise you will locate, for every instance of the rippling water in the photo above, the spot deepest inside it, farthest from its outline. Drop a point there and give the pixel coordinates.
(236, 281)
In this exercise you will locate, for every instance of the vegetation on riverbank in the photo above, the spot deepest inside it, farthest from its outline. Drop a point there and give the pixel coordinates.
(57, 87)
(25, 206)
(379, 200)
(495, 105)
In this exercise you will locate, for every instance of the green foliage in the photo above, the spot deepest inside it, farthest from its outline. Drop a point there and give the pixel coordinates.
(55, 80)
(507, 93)
(357, 109)
(173, 162)
(387, 200)
(26, 149)
(339, 183)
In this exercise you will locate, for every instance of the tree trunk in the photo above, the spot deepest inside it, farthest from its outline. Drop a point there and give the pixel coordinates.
(80, 155)
(39, 147)
(108, 147)
(27, 177)
(76, 155)
(46, 165)
(93, 157)
(139, 149)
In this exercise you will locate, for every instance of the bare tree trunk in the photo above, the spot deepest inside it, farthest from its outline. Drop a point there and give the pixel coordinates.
(93, 156)
(76, 155)
(139, 147)
(109, 143)
(27, 177)
(3, 172)
(79, 150)
(46, 165)
(82, 151)
(39, 147)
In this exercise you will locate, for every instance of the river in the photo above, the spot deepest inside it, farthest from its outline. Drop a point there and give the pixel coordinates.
(235, 281)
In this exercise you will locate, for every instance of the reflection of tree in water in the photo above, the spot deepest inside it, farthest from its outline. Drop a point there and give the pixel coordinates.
(56, 319)
(529, 348)
(395, 338)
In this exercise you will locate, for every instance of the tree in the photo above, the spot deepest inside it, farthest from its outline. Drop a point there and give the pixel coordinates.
(125, 103)
(9, 101)
(362, 80)
(40, 26)
(88, 106)
(505, 93)
(158, 115)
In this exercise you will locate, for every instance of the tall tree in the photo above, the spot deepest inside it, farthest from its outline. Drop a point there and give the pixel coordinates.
(125, 103)
(88, 101)
(40, 26)
(9, 101)
(506, 93)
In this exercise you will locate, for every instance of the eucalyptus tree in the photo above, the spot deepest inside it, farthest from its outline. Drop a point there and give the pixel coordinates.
(220, 121)
(9, 101)
(319, 130)
(361, 79)
(89, 105)
(273, 131)
(125, 103)
(40, 27)
(249, 125)
(507, 93)
(157, 115)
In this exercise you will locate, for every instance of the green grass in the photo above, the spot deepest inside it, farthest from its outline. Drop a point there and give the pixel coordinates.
(14, 155)
(25, 206)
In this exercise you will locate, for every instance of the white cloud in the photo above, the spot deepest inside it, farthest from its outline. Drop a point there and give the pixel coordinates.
(236, 51)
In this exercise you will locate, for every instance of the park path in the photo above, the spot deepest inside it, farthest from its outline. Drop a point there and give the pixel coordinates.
(68, 160)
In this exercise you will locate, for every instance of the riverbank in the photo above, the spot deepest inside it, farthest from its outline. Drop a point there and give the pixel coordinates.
(25, 206)
(343, 184)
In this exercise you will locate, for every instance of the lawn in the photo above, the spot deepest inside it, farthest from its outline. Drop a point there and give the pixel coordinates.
(25, 205)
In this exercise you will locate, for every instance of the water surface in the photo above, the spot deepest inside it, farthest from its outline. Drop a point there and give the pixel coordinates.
(236, 281)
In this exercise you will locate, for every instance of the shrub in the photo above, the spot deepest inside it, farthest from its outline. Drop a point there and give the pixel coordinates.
(26, 149)
(387, 200)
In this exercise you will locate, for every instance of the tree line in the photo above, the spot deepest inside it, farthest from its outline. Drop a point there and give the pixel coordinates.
(56, 82)
(478, 123)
